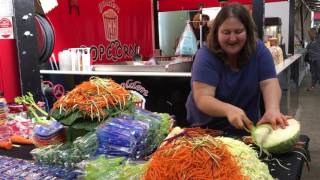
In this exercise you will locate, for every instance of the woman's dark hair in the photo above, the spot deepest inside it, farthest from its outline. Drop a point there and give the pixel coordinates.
(240, 12)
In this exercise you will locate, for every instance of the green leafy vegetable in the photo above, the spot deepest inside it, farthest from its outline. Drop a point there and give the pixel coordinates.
(33, 108)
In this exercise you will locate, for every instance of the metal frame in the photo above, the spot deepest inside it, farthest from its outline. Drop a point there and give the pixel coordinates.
(291, 26)
(25, 35)
(258, 16)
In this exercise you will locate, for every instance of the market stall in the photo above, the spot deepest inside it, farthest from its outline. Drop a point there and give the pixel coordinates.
(133, 121)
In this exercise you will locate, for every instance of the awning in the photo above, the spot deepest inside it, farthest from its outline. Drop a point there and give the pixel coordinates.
(176, 5)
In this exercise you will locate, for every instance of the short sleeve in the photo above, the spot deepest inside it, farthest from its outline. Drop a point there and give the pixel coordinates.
(205, 67)
(266, 65)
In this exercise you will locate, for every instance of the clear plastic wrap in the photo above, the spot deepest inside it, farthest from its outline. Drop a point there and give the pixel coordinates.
(11, 168)
(159, 124)
(113, 168)
(67, 155)
(121, 137)
(48, 134)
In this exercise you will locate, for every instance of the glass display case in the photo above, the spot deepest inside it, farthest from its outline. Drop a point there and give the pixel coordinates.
(273, 39)
(272, 29)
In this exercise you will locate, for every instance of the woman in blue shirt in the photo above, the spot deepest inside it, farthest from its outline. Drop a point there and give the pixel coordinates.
(229, 74)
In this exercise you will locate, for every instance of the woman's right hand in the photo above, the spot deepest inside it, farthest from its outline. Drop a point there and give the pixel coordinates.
(238, 118)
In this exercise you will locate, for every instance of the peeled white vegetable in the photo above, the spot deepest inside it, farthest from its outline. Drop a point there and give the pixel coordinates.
(276, 141)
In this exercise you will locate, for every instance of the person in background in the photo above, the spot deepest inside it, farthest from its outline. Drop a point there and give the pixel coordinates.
(196, 26)
(313, 51)
(209, 24)
(228, 76)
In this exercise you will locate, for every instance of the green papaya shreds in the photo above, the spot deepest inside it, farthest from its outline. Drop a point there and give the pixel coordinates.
(247, 159)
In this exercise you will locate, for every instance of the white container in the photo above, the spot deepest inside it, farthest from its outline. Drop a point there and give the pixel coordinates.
(86, 60)
(74, 59)
(79, 61)
(65, 60)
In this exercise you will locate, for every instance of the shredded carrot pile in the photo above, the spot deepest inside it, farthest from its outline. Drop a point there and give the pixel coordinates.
(92, 96)
(193, 156)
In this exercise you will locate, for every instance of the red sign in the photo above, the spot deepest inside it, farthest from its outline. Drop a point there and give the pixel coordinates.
(6, 29)
(5, 23)
(114, 29)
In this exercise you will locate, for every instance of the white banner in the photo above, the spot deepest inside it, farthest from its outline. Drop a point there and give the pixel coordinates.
(6, 8)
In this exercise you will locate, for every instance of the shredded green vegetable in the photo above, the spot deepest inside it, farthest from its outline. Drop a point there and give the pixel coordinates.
(247, 159)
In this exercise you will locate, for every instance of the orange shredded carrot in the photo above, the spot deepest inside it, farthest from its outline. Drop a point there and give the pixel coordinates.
(193, 156)
(93, 96)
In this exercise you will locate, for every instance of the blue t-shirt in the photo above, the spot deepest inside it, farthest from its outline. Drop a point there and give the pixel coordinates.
(238, 88)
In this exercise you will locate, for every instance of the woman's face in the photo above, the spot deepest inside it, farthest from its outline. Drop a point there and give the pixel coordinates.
(232, 36)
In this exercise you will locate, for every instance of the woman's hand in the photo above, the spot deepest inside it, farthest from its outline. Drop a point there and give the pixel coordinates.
(275, 118)
(238, 118)
(271, 92)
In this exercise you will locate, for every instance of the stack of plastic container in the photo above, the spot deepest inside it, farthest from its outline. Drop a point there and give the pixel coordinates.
(52, 133)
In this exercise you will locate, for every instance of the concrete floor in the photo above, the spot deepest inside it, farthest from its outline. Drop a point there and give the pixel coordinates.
(308, 114)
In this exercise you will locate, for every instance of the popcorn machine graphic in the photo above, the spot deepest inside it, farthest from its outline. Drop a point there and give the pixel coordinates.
(110, 22)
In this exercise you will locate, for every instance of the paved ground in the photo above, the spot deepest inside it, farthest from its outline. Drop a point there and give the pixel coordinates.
(309, 115)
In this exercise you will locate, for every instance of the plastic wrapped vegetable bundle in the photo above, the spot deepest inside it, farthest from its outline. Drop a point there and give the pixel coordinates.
(159, 125)
(113, 168)
(247, 159)
(12, 168)
(122, 137)
(69, 154)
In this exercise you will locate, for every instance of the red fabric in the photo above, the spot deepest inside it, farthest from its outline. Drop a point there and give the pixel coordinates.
(135, 27)
(9, 70)
(175, 5)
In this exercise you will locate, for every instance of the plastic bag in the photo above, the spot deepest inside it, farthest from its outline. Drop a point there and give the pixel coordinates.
(121, 137)
(187, 43)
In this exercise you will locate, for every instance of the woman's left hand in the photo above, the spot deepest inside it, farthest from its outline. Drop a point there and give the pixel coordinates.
(275, 118)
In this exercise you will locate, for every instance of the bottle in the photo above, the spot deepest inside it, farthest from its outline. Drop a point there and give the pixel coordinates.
(3, 109)
(137, 56)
